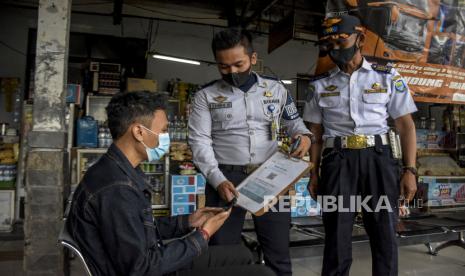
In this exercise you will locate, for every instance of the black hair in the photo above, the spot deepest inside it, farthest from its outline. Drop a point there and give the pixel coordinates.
(230, 38)
(129, 107)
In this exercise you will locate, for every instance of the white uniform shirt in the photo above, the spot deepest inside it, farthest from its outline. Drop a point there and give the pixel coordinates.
(360, 103)
(228, 126)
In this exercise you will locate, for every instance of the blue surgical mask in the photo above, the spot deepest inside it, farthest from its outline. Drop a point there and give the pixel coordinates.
(154, 154)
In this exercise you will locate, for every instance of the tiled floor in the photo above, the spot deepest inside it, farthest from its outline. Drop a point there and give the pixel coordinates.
(413, 260)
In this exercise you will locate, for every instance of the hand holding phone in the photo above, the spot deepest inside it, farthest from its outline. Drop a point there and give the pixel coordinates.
(230, 204)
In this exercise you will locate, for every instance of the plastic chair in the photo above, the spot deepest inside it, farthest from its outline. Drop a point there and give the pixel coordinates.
(67, 241)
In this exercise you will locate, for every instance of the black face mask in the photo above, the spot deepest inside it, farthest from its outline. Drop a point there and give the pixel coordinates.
(237, 79)
(343, 56)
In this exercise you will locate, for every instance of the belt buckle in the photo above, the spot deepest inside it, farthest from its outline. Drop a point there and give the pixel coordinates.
(356, 142)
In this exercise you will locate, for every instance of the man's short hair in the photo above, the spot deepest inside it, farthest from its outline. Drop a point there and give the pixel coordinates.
(230, 38)
(130, 107)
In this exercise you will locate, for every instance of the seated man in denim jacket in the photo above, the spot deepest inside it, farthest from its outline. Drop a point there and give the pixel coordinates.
(111, 216)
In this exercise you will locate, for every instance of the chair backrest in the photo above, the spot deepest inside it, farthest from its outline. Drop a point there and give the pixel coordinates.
(67, 241)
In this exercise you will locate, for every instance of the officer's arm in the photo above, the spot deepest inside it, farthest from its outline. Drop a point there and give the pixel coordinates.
(291, 118)
(200, 140)
(317, 146)
(400, 106)
(408, 138)
(314, 121)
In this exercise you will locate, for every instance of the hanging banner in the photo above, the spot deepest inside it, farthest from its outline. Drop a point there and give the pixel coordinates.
(423, 39)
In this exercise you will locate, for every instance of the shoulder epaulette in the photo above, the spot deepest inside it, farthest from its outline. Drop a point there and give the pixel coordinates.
(269, 77)
(386, 69)
(319, 77)
(208, 84)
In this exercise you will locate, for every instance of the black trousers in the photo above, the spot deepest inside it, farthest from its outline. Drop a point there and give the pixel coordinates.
(366, 172)
(230, 260)
(272, 229)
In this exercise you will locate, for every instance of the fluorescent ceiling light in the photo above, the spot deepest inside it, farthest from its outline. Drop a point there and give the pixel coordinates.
(287, 81)
(183, 60)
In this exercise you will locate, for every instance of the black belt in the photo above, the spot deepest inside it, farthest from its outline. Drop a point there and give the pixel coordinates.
(247, 169)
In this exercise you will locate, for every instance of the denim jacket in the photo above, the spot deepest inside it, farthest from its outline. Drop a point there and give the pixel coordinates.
(111, 220)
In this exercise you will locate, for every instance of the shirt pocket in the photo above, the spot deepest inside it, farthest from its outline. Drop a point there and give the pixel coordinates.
(221, 117)
(329, 102)
(374, 105)
(331, 108)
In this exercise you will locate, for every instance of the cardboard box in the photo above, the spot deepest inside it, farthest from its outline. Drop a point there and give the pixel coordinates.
(430, 140)
(442, 191)
(184, 192)
(301, 186)
(303, 204)
(201, 199)
(182, 209)
(135, 84)
(201, 184)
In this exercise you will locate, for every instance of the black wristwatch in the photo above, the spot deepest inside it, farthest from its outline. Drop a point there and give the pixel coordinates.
(413, 170)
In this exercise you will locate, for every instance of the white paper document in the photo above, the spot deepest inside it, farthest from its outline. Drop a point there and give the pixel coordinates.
(270, 180)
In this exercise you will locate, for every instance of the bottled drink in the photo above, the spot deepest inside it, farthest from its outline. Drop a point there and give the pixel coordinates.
(422, 123)
(432, 125)
(101, 137)
(182, 127)
(170, 126)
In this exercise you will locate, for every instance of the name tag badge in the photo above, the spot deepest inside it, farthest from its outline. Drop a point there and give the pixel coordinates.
(376, 91)
(271, 101)
(330, 94)
(220, 105)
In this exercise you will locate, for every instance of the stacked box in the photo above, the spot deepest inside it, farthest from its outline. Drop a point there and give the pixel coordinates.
(441, 191)
(430, 140)
(187, 193)
(201, 184)
(303, 204)
(183, 192)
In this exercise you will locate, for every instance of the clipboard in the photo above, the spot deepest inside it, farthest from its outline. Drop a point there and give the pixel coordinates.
(271, 180)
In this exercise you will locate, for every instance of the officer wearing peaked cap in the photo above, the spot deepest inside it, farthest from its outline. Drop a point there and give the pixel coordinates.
(233, 129)
(348, 115)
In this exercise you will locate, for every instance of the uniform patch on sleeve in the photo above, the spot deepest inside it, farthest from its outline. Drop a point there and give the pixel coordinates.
(400, 85)
(290, 109)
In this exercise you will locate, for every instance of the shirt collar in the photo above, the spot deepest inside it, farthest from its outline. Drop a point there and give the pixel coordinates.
(136, 174)
(365, 65)
(261, 81)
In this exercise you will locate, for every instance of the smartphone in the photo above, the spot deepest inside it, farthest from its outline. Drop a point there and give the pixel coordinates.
(230, 204)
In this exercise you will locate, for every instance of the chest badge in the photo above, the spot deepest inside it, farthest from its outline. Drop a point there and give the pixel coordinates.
(220, 99)
(271, 108)
(268, 94)
(376, 86)
(331, 88)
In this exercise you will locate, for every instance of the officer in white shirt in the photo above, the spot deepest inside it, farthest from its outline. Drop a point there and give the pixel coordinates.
(348, 115)
(233, 129)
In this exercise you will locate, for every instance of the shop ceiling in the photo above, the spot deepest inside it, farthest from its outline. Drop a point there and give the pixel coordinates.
(301, 17)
